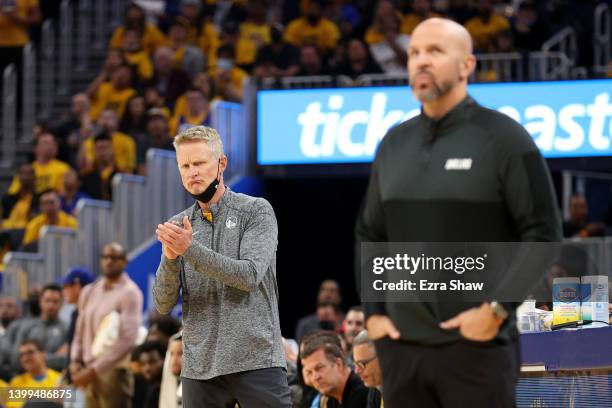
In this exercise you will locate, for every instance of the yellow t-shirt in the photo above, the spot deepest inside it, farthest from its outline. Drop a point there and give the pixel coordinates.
(208, 42)
(151, 38)
(237, 78)
(108, 97)
(251, 37)
(180, 106)
(324, 35)
(142, 62)
(14, 34)
(51, 380)
(124, 151)
(33, 228)
(20, 214)
(483, 33)
(48, 176)
(185, 119)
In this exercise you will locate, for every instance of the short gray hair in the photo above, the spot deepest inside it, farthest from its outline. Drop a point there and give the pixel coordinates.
(204, 134)
(363, 338)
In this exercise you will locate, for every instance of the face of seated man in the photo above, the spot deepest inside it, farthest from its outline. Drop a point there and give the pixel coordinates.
(151, 363)
(366, 365)
(327, 375)
(176, 356)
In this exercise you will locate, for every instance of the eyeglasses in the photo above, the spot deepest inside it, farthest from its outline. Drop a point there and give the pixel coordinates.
(362, 364)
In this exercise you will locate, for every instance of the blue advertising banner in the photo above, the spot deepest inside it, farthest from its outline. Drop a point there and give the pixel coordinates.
(345, 125)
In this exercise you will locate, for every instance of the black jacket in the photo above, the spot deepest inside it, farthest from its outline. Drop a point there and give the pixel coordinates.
(504, 195)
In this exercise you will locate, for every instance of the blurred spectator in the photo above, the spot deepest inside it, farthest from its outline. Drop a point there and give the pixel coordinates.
(31, 355)
(174, 363)
(151, 358)
(49, 171)
(157, 136)
(368, 368)
(124, 147)
(353, 324)
(153, 99)
(325, 364)
(313, 29)
(162, 329)
(72, 192)
(375, 33)
(19, 208)
(202, 33)
(9, 312)
(278, 59)
(186, 57)
(202, 81)
(198, 112)
(72, 285)
(485, 25)
(461, 10)
(47, 329)
(136, 56)
(329, 292)
(50, 215)
(16, 16)
(390, 52)
(96, 181)
(114, 94)
(169, 81)
(421, 10)
(135, 18)
(114, 59)
(311, 62)
(528, 29)
(254, 33)
(65, 130)
(134, 121)
(358, 60)
(345, 15)
(106, 332)
(228, 78)
(578, 224)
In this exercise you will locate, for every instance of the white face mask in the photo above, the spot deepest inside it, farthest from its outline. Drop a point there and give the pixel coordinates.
(225, 63)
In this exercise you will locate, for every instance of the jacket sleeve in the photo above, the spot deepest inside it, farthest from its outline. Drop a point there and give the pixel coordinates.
(370, 227)
(166, 286)
(257, 250)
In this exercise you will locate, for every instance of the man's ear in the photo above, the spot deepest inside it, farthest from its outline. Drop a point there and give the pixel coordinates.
(467, 67)
(223, 163)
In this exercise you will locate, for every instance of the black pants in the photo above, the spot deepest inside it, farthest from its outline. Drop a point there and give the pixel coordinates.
(265, 388)
(462, 374)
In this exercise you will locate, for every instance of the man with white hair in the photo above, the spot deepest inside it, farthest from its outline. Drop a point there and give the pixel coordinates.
(221, 253)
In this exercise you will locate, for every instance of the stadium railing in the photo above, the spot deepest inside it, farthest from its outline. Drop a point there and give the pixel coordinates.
(602, 39)
(9, 123)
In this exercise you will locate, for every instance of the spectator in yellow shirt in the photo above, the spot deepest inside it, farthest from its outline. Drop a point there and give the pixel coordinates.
(485, 26)
(135, 55)
(376, 32)
(228, 78)
(186, 57)
(313, 29)
(202, 81)
(51, 214)
(135, 17)
(114, 59)
(253, 34)
(114, 94)
(49, 171)
(37, 375)
(198, 112)
(201, 32)
(19, 208)
(16, 17)
(421, 10)
(124, 147)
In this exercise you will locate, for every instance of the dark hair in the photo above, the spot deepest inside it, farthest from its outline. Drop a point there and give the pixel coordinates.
(102, 135)
(326, 341)
(227, 49)
(127, 121)
(358, 309)
(52, 287)
(147, 347)
(333, 305)
(166, 324)
(33, 342)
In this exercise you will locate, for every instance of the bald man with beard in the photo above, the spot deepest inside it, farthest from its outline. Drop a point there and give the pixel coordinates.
(458, 172)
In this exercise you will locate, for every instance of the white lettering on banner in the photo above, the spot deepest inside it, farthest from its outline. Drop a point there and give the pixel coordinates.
(357, 133)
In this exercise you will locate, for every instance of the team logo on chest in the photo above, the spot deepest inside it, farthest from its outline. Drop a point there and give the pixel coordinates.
(231, 222)
(458, 164)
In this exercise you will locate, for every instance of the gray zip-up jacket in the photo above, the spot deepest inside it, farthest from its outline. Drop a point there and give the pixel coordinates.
(228, 281)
